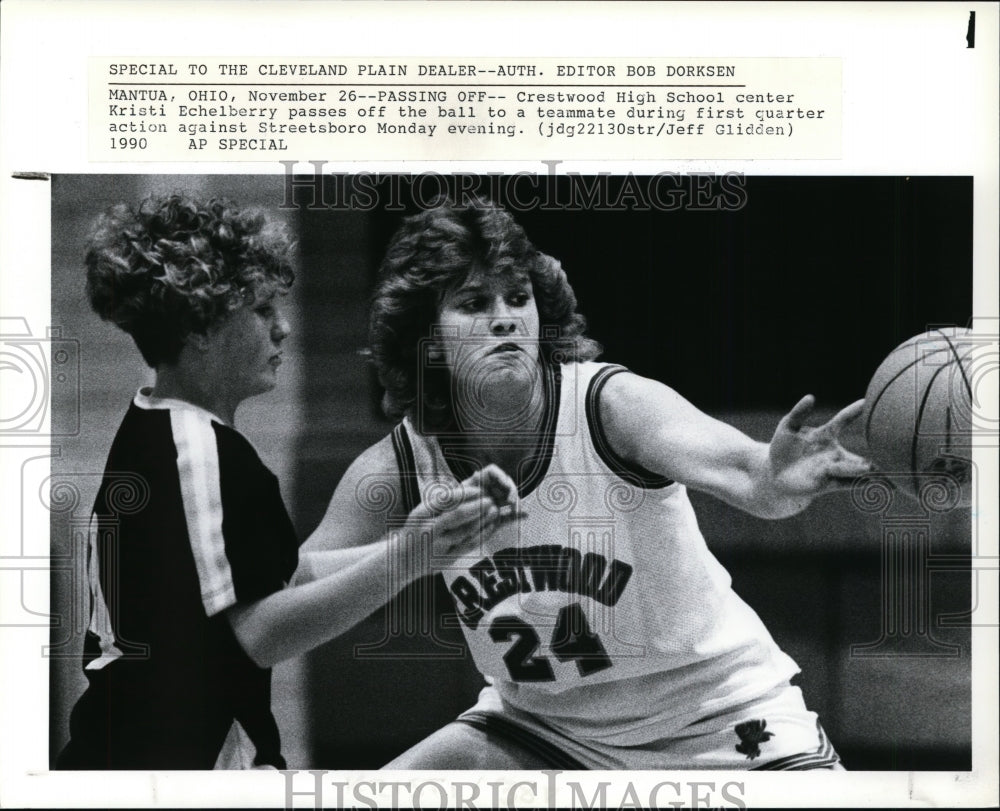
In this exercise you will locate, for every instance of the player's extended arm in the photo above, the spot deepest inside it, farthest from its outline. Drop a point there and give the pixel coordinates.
(649, 423)
(303, 616)
(367, 496)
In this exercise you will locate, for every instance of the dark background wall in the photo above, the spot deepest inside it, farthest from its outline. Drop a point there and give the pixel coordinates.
(804, 287)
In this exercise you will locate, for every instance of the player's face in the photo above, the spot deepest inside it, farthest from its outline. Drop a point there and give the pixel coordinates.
(245, 348)
(489, 328)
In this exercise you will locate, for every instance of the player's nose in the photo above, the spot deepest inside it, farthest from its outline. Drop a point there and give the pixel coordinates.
(504, 326)
(502, 320)
(280, 329)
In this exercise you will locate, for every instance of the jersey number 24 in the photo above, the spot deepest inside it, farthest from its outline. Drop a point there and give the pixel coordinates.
(572, 641)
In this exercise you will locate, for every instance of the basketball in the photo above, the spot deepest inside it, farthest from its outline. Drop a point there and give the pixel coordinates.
(918, 415)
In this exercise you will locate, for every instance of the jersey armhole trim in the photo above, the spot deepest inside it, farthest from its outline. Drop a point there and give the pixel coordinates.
(630, 472)
(407, 467)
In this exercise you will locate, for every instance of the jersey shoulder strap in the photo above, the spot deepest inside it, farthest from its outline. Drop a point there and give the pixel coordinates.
(407, 464)
(631, 472)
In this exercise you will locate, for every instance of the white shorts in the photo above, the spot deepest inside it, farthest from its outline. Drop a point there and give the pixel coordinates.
(775, 731)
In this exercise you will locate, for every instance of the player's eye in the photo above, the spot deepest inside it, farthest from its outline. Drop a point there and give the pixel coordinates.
(265, 310)
(519, 299)
(473, 304)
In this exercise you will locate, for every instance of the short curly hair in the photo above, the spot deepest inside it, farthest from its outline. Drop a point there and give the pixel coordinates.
(433, 252)
(175, 265)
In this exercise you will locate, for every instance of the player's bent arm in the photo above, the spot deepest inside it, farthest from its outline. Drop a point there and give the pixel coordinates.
(296, 619)
(320, 563)
(650, 424)
(341, 576)
(367, 495)
(362, 579)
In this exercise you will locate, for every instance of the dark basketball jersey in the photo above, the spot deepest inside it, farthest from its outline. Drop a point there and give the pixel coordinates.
(187, 522)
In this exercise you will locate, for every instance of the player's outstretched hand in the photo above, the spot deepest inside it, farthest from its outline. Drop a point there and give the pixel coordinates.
(468, 514)
(807, 461)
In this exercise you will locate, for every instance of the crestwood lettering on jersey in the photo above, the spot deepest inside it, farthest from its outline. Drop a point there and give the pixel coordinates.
(550, 567)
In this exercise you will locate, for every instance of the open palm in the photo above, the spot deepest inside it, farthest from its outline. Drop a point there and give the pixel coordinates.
(808, 461)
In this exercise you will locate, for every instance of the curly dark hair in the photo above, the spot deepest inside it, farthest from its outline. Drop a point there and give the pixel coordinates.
(175, 265)
(433, 252)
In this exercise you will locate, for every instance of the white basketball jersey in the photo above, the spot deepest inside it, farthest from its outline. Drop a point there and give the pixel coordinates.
(603, 610)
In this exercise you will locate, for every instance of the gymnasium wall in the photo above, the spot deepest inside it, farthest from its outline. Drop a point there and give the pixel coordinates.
(804, 288)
